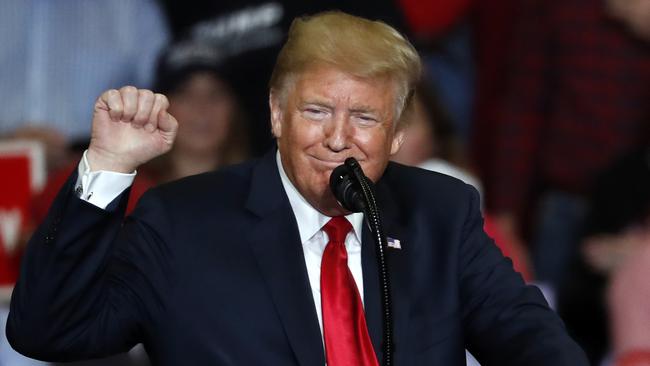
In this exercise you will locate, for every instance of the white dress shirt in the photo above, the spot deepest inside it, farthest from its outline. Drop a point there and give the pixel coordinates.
(102, 187)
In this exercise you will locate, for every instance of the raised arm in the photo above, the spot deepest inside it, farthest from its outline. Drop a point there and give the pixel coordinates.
(88, 284)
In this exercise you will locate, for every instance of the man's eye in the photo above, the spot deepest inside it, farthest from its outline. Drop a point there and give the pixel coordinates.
(313, 113)
(366, 120)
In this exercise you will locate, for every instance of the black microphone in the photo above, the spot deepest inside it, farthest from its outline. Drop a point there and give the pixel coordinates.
(347, 189)
(355, 192)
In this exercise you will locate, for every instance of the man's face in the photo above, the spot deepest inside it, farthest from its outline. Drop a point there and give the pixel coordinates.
(328, 116)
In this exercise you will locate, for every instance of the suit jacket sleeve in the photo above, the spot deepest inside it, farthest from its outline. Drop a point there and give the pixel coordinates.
(506, 322)
(86, 283)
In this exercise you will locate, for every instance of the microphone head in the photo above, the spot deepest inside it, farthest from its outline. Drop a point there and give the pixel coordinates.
(346, 189)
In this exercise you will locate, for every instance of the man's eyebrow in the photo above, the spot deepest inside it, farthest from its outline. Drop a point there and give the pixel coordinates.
(317, 102)
(364, 109)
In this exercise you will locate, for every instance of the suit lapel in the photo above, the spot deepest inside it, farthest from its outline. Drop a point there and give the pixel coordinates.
(275, 242)
(397, 269)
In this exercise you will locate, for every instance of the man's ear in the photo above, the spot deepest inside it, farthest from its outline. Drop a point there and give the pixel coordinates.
(398, 140)
(276, 114)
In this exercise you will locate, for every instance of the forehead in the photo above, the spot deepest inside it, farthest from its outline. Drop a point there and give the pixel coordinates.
(326, 83)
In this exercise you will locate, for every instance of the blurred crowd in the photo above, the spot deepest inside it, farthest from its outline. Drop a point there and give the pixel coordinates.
(543, 106)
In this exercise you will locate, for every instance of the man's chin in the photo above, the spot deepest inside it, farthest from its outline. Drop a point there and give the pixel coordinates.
(329, 206)
(334, 210)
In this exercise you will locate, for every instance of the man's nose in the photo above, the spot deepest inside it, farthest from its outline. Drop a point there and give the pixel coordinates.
(338, 133)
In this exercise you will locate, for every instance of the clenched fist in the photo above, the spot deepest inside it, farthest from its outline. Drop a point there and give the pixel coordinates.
(130, 127)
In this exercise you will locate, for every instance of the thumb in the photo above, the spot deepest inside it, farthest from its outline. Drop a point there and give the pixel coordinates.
(167, 123)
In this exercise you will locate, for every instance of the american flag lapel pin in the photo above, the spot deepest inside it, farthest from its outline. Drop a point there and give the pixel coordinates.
(394, 243)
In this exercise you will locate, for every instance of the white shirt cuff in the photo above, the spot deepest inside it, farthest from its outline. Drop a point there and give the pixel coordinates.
(100, 187)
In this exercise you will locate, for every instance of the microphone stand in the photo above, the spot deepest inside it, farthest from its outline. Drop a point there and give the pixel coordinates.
(353, 182)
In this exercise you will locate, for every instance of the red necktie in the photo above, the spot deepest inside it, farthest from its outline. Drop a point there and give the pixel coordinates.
(347, 342)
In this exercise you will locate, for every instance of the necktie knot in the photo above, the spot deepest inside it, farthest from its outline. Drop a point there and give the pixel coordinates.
(337, 229)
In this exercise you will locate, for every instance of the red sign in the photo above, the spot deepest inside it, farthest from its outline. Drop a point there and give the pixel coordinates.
(22, 172)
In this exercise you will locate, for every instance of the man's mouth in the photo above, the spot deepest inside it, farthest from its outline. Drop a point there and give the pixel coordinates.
(329, 163)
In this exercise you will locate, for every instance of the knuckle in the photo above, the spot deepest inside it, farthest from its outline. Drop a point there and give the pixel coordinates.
(128, 89)
(146, 93)
(116, 107)
(109, 95)
(162, 99)
(111, 92)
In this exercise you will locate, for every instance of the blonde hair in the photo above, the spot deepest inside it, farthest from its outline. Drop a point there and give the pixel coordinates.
(358, 46)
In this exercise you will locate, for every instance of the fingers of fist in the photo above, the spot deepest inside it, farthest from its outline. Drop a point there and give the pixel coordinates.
(140, 107)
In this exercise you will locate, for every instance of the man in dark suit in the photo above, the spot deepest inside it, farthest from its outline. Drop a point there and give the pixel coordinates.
(235, 267)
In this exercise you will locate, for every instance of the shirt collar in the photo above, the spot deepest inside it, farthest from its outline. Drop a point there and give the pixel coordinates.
(310, 221)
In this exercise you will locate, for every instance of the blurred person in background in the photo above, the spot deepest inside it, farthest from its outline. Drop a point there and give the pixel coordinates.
(197, 78)
(575, 100)
(53, 54)
(431, 141)
(629, 291)
(616, 229)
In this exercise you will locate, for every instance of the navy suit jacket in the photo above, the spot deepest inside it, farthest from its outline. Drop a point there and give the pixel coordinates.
(209, 270)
